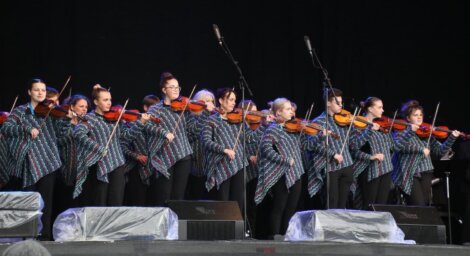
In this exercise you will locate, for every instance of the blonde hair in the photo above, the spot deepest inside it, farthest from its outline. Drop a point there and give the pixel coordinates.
(200, 94)
(278, 104)
(97, 89)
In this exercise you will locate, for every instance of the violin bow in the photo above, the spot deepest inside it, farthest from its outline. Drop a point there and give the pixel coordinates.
(184, 109)
(433, 123)
(115, 127)
(14, 104)
(50, 109)
(356, 112)
(241, 126)
(393, 121)
(307, 117)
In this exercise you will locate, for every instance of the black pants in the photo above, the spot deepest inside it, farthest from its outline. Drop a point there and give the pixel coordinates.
(284, 205)
(251, 205)
(163, 189)
(99, 193)
(63, 196)
(340, 184)
(196, 189)
(136, 190)
(375, 191)
(233, 190)
(45, 187)
(421, 190)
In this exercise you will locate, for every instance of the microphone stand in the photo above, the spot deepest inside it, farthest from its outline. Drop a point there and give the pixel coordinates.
(325, 85)
(243, 84)
(448, 206)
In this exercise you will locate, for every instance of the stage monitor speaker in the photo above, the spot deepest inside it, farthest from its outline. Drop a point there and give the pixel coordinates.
(20, 214)
(208, 220)
(420, 223)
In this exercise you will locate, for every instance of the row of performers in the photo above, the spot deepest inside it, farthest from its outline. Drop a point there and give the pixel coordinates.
(165, 146)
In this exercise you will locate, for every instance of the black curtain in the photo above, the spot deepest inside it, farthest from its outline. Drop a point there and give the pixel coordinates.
(396, 50)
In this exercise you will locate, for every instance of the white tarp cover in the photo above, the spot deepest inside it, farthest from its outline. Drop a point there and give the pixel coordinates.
(116, 223)
(350, 226)
(17, 208)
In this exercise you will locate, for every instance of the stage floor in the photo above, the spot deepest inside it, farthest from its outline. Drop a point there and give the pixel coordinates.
(246, 247)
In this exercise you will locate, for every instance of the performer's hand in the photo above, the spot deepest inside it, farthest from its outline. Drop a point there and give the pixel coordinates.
(375, 127)
(291, 161)
(142, 159)
(34, 133)
(170, 137)
(144, 118)
(210, 106)
(230, 153)
(379, 157)
(455, 133)
(426, 152)
(338, 158)
(253, 159)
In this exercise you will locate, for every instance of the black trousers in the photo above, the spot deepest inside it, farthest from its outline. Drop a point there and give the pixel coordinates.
(233, 190)
(45, 187)
(163, 189)
(421, 190)
(251, 205)
(196, 189)
(284, 205)
(98, 193)
(375, 191)
(136, 190)
(63, 196)
(340, 184)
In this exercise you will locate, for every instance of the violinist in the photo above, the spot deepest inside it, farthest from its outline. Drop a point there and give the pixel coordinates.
(339, 158)
(413, 168)
(33, 139)
(171, 162)
(67, 174)
(196, 188)
(221, 138)
(251, 150)
(137, 168)
(100, 175)
(373, 161)
(279, 168)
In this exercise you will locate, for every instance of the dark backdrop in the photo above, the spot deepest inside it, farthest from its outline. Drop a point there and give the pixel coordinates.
(395, 50)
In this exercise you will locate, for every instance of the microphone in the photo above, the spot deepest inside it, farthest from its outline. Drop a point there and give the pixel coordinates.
(307, 43)
(217, 33)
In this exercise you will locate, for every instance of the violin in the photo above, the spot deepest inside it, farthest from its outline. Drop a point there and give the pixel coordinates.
(233, 117)
(440, 132)
(3, 117)
(345, 118)
(131, 115)
(310, 128)
(59, 111)
(182, 103)
(254, 117)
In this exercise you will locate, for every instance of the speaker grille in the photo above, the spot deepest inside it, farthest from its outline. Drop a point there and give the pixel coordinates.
(211, 230)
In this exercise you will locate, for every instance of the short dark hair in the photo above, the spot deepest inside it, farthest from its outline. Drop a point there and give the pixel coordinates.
(332, 93)
(409, 107)
(165, 77)
(34, 81)
(223, 93)
(150, 100)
